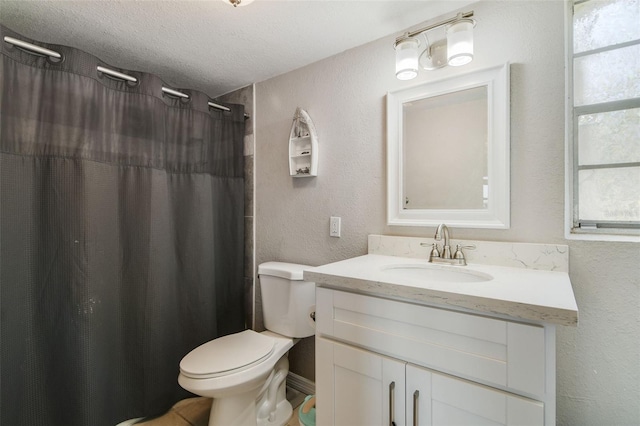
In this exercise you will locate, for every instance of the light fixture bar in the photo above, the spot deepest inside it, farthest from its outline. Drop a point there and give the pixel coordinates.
(419, 31)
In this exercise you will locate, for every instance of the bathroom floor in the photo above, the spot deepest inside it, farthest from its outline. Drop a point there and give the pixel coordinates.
(188, 412)
(293, 421)
(296, 399)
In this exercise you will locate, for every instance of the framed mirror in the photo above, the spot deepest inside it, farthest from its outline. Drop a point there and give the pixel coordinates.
(448, 152)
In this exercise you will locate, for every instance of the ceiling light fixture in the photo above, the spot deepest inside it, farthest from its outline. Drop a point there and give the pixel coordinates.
(236, 3)
(458, 49)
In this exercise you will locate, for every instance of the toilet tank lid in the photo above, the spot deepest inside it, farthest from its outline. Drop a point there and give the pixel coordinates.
(290, 271)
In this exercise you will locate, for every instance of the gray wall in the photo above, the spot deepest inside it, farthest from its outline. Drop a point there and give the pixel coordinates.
(599, 361)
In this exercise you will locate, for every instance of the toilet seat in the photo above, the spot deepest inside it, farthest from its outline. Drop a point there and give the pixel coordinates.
(227, 355)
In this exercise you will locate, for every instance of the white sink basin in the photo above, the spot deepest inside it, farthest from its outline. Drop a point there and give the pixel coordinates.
(435, 273)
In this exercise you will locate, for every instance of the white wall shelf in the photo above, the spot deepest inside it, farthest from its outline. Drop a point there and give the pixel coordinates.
(303, 146)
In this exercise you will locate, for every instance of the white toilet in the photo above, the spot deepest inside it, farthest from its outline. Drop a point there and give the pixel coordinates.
(245, 373)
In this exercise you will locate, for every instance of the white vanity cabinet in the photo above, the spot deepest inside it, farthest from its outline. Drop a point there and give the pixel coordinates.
(373, 354)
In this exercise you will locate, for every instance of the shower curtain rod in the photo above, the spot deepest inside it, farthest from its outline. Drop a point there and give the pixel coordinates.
(41, 51)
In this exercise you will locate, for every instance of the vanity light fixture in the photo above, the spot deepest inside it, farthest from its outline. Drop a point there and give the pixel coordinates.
(458, 49)
(407, 58)
(460, 42)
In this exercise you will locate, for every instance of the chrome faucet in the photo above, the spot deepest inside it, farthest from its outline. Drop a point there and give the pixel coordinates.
(444, 256)
(446, 249)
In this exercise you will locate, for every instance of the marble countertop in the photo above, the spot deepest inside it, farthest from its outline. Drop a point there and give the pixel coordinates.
(533, 295)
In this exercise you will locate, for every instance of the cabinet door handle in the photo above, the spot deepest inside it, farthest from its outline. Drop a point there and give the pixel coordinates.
(392, 388)
(416, 394)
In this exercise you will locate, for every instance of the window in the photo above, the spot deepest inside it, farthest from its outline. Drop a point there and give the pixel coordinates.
(603, 126)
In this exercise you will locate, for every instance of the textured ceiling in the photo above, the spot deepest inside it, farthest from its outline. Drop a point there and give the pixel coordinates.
(211, 46)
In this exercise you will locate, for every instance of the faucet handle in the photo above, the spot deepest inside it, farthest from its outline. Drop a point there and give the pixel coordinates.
(435, 251)
(467, 246)
(458, 254)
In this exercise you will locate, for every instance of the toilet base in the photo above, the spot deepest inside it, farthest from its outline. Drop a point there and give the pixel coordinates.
(282, 415)
(242, 412)
(272, 406)
(239, 410)
(262, 406)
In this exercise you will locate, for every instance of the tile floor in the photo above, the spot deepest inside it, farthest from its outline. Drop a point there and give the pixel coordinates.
(296, 399)
(293, 421)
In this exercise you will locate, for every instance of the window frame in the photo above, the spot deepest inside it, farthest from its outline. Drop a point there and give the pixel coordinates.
(588, 230)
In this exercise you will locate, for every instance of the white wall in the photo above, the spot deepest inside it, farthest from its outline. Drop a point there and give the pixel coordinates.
(599, 361)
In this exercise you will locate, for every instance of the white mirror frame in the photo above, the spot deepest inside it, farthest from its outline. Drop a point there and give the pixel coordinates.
(497, 214)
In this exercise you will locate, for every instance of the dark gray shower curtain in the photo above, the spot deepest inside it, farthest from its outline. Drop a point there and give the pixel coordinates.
(121, 238)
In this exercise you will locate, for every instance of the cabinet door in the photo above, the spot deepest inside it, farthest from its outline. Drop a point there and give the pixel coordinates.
(418, 396)
(445, 400)
(357, 387)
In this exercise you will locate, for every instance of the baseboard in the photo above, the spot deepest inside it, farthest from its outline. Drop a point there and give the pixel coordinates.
(301, 384)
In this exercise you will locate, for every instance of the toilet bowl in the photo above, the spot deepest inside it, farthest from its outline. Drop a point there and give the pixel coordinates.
(245, 373)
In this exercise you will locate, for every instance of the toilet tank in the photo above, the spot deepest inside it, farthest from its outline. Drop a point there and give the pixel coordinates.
(287, 300)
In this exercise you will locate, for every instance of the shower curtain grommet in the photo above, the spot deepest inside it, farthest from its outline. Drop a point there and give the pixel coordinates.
(180, 99)
(50, 59)
(56, 61)
(130, 84)
(103, 71)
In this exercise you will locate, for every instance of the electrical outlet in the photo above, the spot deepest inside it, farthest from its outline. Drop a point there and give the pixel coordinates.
(334, 227)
